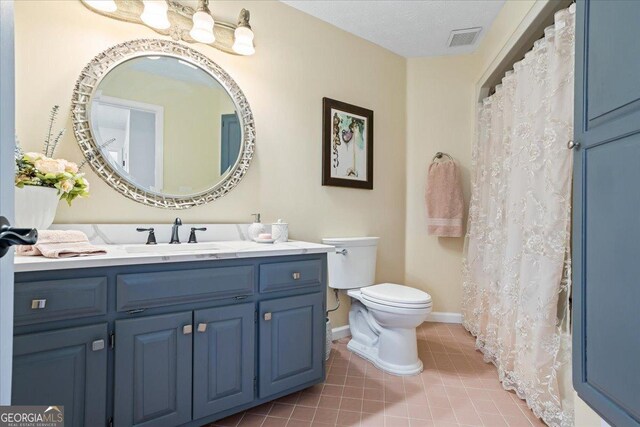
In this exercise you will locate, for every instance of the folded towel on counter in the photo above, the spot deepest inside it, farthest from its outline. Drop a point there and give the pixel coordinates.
(61, 244)
(444, 200)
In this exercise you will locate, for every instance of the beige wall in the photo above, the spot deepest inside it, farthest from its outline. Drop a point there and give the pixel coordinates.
(440, 117)
(441, 102)
(299, 60)
(502, 29)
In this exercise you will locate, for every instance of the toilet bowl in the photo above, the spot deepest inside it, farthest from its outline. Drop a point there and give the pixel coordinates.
(383, 317)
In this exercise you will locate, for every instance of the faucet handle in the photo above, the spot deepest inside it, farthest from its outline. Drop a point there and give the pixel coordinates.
(151, 238)
(192, 235)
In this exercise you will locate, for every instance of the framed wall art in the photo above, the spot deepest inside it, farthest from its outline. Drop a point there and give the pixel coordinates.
(347, 145)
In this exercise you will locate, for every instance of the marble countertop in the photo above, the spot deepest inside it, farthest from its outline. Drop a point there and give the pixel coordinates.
(121, 255)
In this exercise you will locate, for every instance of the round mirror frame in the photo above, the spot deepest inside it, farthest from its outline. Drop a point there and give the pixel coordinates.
(106, 61)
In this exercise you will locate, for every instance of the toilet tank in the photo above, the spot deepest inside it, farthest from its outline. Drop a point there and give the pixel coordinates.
(353, 264)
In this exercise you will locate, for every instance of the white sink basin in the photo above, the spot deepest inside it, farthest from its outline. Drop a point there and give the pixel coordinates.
(164, 248)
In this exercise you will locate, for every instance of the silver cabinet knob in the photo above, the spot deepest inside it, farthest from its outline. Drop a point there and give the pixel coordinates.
(38, 304)
(187, 329)
(267, 316)
(573, 144)
(296, 276)
(202, 327)
(97, 345)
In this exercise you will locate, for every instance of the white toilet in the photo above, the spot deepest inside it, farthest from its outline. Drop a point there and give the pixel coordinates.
(383, 318)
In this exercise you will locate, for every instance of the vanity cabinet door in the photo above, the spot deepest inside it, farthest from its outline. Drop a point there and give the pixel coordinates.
(292, 334)
(153, 370)
(223, 358)
(66, 367)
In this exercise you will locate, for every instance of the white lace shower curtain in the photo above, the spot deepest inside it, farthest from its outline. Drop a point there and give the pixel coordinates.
(517, 257)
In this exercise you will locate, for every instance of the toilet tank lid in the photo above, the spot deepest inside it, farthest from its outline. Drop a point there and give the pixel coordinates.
(343, 242)
(396, 293)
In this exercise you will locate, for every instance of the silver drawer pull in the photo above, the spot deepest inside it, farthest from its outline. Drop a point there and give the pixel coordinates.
(38, 304)
(202, 327)
(97, 345)
(296, 276)
(267, 316)
(187, 329)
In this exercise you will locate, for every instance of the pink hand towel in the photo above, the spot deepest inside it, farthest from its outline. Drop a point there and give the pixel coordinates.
(445, 203)
(61, 244)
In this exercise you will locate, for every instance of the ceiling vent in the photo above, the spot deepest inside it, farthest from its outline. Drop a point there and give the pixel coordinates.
(464, 37)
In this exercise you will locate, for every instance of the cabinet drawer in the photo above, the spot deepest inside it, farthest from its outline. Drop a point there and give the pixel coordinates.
(146, 290)
(288, 275)
(49, 300)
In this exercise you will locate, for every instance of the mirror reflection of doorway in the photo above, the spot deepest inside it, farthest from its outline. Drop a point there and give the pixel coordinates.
(229, 141)
(137, 132)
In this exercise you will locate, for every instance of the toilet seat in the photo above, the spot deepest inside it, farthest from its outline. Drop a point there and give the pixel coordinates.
(367, 300)
(393, 295)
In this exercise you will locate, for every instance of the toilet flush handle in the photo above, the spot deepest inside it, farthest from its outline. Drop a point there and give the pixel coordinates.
(342, 252)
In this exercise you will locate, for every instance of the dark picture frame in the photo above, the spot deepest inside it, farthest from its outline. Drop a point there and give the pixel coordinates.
(337, 135)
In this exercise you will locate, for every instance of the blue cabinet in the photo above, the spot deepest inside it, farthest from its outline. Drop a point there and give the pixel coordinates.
(223, 358)
(606, 225)
(153, 370)
(66, 367)
(179, 344)
(291, 342)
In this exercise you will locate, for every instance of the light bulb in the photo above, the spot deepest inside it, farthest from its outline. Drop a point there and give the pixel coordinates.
(155, 14)
(102, 5)
(202, 29)
(243, 44)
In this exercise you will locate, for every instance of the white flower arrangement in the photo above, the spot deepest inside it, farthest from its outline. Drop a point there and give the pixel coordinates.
(43, 170)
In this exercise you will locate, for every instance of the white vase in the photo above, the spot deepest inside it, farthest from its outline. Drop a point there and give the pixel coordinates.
(35, 206)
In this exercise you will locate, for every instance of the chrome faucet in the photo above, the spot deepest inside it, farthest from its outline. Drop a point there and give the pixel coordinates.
(175, 238)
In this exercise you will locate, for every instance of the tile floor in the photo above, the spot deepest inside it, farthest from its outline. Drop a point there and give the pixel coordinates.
(456, 388)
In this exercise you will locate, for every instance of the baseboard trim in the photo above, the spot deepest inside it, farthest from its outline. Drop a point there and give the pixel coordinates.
(436, 317)
(444, 317)
(340, 332)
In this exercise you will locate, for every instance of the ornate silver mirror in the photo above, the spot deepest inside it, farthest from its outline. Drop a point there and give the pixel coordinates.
(163, 124)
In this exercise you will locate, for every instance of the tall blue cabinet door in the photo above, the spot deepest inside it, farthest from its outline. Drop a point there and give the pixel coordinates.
(606, 219)
(65, 367)
(153, 370)
(291, 342)
(223, 358)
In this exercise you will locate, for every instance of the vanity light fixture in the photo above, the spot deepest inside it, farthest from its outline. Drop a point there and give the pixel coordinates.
(155, 14)
(103, 5)
(203, 23)
(243, 44)
(182, 23)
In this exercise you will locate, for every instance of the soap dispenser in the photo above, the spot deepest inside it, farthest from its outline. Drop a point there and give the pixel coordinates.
(256, 228)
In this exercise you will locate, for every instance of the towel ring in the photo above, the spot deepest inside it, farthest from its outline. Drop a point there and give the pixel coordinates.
(439, 155)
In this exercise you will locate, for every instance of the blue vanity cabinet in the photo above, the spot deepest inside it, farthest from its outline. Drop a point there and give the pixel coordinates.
(65, 367)
(170, 344)
(291, 342)
(223, 358)
(153, 370)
